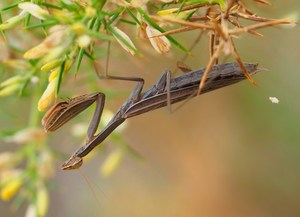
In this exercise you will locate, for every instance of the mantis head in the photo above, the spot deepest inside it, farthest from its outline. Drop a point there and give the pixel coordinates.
(73, 163)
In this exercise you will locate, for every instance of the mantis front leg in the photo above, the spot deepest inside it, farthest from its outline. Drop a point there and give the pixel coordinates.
(64, 111)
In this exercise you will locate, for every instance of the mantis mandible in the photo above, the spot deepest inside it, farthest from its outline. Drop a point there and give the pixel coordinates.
(164, 92)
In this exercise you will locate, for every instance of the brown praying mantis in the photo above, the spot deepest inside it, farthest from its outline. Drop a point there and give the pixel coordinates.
(164, 92)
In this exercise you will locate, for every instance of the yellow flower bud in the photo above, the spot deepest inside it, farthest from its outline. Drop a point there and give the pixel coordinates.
(68, 64)
(13, 21)
(84, 41)
(51, 65)
(36, 52)
(10, 189)
(173, 13)
(10, 81)
(54, 53)
(78, 28)
(8, 90)
(42, 201)
(90, 12)
(48, 98)
(167, 11)
(63, 15)
(49, 45)
(53, 74)
(112, 162)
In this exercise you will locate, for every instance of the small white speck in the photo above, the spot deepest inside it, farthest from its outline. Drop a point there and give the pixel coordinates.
(274, 100)
(34, 79)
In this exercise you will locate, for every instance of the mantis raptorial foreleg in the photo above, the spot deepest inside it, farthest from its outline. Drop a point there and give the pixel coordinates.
(64, 111)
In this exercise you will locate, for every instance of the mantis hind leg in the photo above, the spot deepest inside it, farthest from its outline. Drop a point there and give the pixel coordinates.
(162, 85)
(135, 95)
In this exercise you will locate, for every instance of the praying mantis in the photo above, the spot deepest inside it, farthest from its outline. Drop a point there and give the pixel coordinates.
(164, 92)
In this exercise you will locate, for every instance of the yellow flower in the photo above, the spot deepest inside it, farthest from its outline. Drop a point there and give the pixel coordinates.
(10, 189)
(48, 98)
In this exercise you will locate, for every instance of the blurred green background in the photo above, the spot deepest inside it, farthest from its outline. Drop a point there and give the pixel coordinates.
(227, 153)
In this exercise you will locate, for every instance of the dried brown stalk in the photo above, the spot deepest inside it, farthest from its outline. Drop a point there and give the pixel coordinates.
(217, 22)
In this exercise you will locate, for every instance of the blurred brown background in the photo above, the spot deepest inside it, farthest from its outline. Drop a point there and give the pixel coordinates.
(227, 153)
